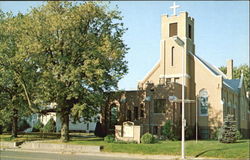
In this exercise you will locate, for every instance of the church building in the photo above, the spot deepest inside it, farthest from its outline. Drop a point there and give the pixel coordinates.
(209, 94)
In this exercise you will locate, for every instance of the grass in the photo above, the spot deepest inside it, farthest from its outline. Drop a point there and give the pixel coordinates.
(204, 148)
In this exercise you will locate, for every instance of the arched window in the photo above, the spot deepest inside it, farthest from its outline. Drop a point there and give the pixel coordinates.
(203, 102)
(172, 56)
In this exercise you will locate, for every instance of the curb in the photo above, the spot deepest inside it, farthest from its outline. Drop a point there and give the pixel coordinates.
(100, 154)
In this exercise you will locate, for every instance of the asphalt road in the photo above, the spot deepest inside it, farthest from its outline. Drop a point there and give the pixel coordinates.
(16, 155)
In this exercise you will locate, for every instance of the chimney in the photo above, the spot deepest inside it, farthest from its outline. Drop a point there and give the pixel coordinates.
(230, 69)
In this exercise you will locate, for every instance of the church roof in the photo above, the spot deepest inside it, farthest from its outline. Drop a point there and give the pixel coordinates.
(233, 84)
(211, 67)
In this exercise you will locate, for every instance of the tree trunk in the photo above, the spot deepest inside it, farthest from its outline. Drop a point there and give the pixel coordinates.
(14, 123)
(65, 126)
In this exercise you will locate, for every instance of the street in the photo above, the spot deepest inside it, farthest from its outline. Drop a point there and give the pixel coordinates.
(17, 155)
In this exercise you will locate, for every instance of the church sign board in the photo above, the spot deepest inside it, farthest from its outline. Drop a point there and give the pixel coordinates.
(128, 129)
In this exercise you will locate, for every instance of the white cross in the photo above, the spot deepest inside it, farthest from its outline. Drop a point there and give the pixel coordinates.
(174, 8)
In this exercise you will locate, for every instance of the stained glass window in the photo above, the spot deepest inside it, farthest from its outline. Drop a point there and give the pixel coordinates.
(203, 102)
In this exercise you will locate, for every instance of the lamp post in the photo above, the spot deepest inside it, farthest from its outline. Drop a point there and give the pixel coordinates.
(181, 43)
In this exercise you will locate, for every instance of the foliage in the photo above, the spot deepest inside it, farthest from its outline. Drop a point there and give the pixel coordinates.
(23, 124)
(238, 135)
(228, 131)
(147, 138)
(38, 127)
(237, 73)
(167, 130)
(67, 53)
(13, 104)
(50, 126)
(5, 120)
(109, 139)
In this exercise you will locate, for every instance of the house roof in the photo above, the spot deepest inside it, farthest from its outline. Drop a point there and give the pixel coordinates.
(233, 84)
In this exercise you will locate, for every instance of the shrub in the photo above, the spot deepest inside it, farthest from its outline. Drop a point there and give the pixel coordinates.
(238, 135)
(167, 130)
(22, 125)
(37, 127)
(147, 138)
(228, 131)
(50, 126)
(109, 139)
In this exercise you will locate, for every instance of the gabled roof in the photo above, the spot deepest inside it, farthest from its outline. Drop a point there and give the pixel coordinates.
(210, 67)
(233, 84)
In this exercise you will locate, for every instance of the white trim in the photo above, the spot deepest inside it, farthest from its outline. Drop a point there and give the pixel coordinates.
(203, 64)
(228, 86)
(174, 76)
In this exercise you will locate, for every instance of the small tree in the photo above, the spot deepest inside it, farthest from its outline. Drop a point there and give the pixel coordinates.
(229, 130)
(50, 126)
(167, 130)
(38, 126)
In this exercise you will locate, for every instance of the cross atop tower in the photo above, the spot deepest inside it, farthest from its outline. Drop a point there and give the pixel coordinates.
(174, 7)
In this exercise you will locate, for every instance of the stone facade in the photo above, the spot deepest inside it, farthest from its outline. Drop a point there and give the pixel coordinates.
(213, 93)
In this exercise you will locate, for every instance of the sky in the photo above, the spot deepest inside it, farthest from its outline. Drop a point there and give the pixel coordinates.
(221, 32)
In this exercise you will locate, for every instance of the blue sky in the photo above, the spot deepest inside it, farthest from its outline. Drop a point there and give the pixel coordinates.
(221, 32)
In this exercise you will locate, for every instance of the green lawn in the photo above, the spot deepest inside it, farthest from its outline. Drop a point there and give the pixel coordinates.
(203, 148)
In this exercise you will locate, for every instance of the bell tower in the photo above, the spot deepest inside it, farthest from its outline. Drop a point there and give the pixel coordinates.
(179, 26)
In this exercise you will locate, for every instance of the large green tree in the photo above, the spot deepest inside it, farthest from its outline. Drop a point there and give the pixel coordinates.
(237, 73)
(70, 54)
(12, 100)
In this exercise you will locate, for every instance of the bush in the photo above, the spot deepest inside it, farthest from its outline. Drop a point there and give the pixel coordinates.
(167, 130)
(37, 127)
(238, 135)
(228, 131)
(50, 126)
(147, 138)
(109, 139)
(22, 125)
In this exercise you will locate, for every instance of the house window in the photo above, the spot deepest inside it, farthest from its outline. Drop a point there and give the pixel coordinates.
(136, 114)
(173, 29)
(172, 56)
(159, 105)
(203, 102)
(129, 115)
(189, 31)
(155, 130)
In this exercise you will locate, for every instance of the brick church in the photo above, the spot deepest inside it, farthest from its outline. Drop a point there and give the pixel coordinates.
(209, 94)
